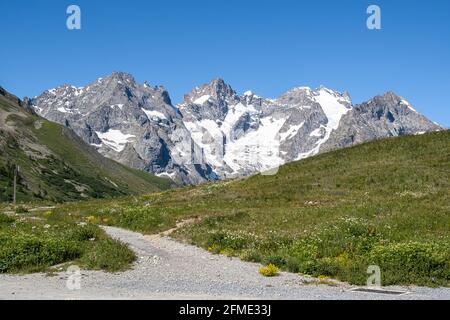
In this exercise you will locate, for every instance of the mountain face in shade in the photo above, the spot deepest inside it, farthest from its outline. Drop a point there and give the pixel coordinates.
(216, 133)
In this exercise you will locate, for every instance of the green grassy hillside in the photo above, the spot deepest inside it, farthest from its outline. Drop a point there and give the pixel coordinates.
(56, 165)
(384, 203)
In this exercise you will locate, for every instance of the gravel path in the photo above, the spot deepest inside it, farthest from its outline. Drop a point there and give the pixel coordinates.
(167, 269)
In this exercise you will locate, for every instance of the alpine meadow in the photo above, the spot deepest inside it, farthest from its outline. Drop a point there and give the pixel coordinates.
(251, 152)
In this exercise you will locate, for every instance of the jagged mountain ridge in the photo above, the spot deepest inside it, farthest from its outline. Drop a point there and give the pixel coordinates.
(131, 123)
(216, 133)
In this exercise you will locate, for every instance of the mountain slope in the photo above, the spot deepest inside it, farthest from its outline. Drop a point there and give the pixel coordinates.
(216, 133)
(384, 203)
(55, 164)
(383, 116)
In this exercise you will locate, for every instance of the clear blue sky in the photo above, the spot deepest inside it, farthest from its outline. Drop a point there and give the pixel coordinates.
(265, 46)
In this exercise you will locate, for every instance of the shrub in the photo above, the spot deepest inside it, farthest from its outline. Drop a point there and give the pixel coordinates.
(28, 252)
(228, 252)
(85, 233)
(110, 255)
(4, 219)
(214, 248)
(269, 270)
(412, 262)
(251, 255)
(301, 256)
(275, 260)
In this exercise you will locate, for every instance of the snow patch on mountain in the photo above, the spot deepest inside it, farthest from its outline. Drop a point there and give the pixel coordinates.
(333, 107)
(293, 130)
(170, 175)
(408, 105)
(120, 106)
(258, 150)
(202, 99)
(64, 110)
(115, 139)
(152, 114)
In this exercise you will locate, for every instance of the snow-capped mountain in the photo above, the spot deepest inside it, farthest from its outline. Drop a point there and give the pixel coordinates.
(216, 133)
(243, 134)
(132, 123)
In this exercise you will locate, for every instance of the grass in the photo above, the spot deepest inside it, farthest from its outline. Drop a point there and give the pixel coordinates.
(21, 209)
(28, 245)
(384, 203)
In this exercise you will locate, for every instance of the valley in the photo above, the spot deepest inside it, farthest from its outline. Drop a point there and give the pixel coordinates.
(224, 150)
(321, 216)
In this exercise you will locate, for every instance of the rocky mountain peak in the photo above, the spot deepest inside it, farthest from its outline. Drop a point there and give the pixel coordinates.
(250, 98)
(390, 101)
(389, 97)
(217, 90)
(219, 86)
(295, 94)
(209, 101)
(307, 97)
(340, 95)
(121, 76)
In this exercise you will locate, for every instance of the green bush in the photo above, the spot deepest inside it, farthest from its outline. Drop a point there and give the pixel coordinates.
(301, 256)
(110, 255)
(413, 262)
(36, 246)
(275, 260)
(85, 233)
(4, 219)
(251, 255)
(30, 253)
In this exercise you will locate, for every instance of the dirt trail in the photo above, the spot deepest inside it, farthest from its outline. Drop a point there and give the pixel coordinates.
(167, 233)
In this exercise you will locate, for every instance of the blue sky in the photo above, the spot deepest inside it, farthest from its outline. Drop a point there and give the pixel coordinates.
(266, 46)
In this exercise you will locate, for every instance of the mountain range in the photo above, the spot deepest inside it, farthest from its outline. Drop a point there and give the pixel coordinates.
(55, 164)
(216, 133)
